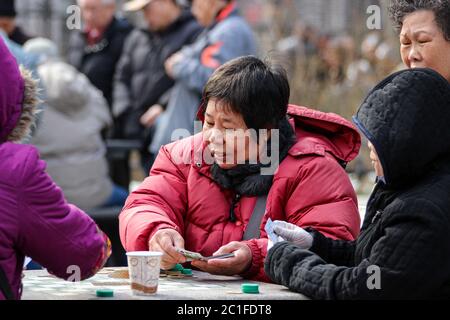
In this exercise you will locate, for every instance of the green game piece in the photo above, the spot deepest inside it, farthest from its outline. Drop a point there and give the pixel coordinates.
(251, 288)
(177, 267)
(187, 272)
(105, 293)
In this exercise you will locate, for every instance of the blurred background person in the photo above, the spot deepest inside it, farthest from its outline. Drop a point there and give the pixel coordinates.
(69, 137)
(8, 22)
(96, 49)
(226, 37)
(141, 85)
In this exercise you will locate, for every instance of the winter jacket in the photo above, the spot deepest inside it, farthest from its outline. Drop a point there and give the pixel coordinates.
(228, 38)
(403, 251)
(69, 137)
(98, 62)
(310, 188)
(141, 79)
(35, 219)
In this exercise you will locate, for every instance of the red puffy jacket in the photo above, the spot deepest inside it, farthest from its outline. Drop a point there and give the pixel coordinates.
(310, 188)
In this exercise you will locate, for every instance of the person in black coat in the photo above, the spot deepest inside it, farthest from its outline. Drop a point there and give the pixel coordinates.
(141, 82)
(96, 49)
(403, 251)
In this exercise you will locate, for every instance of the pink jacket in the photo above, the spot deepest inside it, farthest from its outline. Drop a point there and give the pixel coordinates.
(35, 220)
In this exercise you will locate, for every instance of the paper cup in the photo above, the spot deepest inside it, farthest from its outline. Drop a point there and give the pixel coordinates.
(144, 268)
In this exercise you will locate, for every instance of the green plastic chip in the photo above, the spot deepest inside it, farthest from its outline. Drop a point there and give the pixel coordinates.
(250, 288)
(187, 272)
(177, 267)
(105, 293)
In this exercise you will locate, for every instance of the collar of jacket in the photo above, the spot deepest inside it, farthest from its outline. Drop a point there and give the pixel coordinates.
(184, 17)
(108, 33)
(228, 11)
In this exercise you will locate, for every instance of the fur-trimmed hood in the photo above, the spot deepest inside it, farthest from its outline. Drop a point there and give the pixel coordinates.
(18, 98)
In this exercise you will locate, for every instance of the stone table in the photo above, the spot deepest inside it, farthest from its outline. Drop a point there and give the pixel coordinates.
(40, 285)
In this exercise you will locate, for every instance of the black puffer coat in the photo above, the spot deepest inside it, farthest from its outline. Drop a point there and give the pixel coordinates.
(98, 62)
(141, 79)
(405, 237)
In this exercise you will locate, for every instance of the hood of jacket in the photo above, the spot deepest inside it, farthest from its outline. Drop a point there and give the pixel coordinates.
(11, 92)
(406, 117)
(319, 132)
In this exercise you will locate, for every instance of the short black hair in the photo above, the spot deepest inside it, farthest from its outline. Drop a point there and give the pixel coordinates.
(399, 9)
(257, 90)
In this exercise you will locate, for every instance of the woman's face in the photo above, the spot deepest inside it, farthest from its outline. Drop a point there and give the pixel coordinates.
(375, 161)
(205, 11)
(227, 136)
(423, 44)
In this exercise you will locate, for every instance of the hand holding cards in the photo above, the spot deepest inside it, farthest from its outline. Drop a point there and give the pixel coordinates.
(192, 256)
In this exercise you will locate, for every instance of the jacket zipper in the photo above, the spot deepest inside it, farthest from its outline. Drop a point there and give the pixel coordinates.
(376, 216)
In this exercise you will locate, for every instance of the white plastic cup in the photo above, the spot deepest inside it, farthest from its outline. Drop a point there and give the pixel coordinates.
(144, 268)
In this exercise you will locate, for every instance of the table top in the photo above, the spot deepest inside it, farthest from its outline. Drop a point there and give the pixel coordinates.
(40, 285)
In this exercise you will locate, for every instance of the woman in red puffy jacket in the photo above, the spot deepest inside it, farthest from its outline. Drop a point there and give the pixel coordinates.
(206, 193)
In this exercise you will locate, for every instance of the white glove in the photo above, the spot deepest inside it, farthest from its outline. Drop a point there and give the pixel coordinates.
(292, 233)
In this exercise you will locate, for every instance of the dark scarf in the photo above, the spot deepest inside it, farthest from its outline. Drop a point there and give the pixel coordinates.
(246, 179)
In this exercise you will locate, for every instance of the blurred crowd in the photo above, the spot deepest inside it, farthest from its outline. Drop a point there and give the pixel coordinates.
(132, 76)
(334, 72)
(122, 87)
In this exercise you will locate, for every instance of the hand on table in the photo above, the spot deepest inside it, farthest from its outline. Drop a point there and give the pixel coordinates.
(241, 261)
(166, 241)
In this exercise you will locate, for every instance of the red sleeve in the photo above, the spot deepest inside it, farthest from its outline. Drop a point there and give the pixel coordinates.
(159, 203)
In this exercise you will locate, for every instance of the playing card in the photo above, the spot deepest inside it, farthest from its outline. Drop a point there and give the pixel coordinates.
(270, 233)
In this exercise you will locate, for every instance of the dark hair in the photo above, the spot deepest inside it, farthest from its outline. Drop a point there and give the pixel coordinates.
(399, 9)
(255, 89)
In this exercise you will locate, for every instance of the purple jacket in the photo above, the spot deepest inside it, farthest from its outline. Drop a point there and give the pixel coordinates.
(35, 219)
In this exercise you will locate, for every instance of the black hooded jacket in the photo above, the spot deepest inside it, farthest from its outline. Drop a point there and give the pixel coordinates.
(403, 251)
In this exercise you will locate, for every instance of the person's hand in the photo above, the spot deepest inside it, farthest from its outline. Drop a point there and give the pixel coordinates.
(149, 117)
(292, 233)
(166, 241)
(241, 261)
(171, 61)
